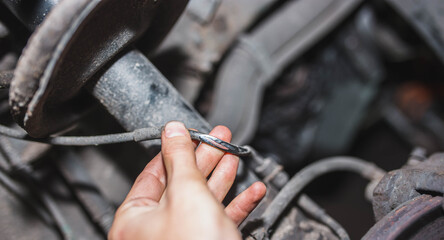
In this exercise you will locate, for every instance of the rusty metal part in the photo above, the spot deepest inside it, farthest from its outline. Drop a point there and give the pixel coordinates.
(400, 186)
(67, 49)
(419, 218)
(260, 57)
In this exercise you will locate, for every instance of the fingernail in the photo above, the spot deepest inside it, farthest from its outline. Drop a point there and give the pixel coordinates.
(175, 129)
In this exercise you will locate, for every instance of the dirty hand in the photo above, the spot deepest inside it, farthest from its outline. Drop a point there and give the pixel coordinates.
(171, 198)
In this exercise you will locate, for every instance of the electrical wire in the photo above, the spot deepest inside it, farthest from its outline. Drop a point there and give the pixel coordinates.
(139, 135)
(299, 181)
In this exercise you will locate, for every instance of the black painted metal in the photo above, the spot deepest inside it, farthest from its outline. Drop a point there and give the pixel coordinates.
(74, 42)
(31, 13)
(138, 96)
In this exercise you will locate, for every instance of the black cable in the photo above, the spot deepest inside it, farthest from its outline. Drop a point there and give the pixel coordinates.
(299, 181)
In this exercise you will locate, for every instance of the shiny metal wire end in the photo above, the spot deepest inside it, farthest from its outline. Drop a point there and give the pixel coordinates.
(220, 144)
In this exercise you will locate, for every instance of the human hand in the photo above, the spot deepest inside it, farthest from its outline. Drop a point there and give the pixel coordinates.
(171, 198)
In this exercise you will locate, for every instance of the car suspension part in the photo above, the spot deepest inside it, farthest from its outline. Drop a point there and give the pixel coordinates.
(85, 52)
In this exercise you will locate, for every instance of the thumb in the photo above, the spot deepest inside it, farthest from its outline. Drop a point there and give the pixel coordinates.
(178, 153)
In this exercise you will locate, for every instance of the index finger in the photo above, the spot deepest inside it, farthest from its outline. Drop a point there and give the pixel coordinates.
(151, 182)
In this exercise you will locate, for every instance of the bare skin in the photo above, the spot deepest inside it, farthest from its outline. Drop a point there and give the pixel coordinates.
(172, 199)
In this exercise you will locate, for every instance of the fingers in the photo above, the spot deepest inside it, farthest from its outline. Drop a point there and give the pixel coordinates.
(178, 154)
(223, 176)
(245, 202)
(208, 156)
(150, 183)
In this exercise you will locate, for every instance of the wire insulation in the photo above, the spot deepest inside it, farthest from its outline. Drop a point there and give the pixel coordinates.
(139, 135)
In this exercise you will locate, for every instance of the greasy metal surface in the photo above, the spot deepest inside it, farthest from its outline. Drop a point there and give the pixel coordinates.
(427, 19)
(400, 186)
(67, 49)
(419, 218)
(260, 57)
